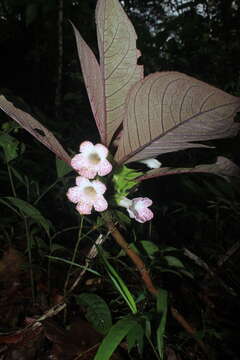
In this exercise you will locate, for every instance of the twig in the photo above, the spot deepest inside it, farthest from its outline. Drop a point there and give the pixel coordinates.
(212, 273)
(228, 254)
(197, 260)
(90, 256)
(86, 352)
(188, 328)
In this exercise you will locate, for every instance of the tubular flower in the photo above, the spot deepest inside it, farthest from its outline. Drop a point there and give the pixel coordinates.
(151, 163)
(88, 194)
(92, 160)
(138, 208)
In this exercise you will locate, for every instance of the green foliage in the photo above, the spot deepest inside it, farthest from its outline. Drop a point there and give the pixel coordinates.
(62, 168)
(162, 306)
(11, 146)
(135, 337)
(72, 263)
(119, 283)
(28, 210)
(98, 312)
(116, 334)
(124, 181)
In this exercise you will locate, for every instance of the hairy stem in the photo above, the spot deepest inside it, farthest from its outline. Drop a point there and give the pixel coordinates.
(133, 256)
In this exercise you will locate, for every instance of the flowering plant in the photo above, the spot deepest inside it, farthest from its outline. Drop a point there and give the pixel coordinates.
(138, 119)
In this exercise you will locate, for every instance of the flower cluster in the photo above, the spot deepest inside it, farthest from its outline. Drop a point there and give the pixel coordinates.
(87, 194)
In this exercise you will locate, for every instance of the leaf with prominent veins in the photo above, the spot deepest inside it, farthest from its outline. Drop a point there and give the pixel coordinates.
(118, 60)
(34, 127)
(169, 111)
(93, 81)
(222, 167)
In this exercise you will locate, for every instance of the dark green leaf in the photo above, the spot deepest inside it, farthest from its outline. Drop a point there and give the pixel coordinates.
(98, 313)
(135, 337)
(62, 168)
(30, 211)
(162, 303)
(173, 261)
(10, 146)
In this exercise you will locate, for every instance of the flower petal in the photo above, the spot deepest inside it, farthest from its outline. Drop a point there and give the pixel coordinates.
(141, 202)
(99, 187)
(86, 147)
(101, 150)
(145, 215)
(151, 163)
(125, 202)
(78, 161)
(87, 172)
(100, 204)
(84, 208)
(104, 168)
(74, 194)
(82, 182)
(130, 213)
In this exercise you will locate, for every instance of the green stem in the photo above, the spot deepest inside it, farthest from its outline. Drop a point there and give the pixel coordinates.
(46, 191)
(29, 250)
(11, 180)
(73, 260)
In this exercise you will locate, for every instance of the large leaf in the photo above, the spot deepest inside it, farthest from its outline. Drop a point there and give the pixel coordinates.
(93, 81)
(34, 127)
(169, 111)
(28, 210)
(223, 167)
(118, 60)
(98, 312)
(114, 338)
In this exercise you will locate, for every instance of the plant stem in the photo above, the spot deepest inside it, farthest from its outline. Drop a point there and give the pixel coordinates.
(70, 267)
(11, 180)
(74, 255)
(46, 191)
(133, 256)
(29, 250)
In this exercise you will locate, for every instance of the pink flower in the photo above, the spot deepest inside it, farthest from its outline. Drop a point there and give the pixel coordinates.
(138, 208)
(92, 160)
(88, 194)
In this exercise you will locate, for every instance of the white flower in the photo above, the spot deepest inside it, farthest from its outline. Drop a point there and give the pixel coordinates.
(92, 160)
(88, 194)
(138, 208)
(151, 163)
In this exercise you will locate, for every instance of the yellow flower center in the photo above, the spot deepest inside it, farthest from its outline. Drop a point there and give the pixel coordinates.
(94, 158)
(90, 191)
